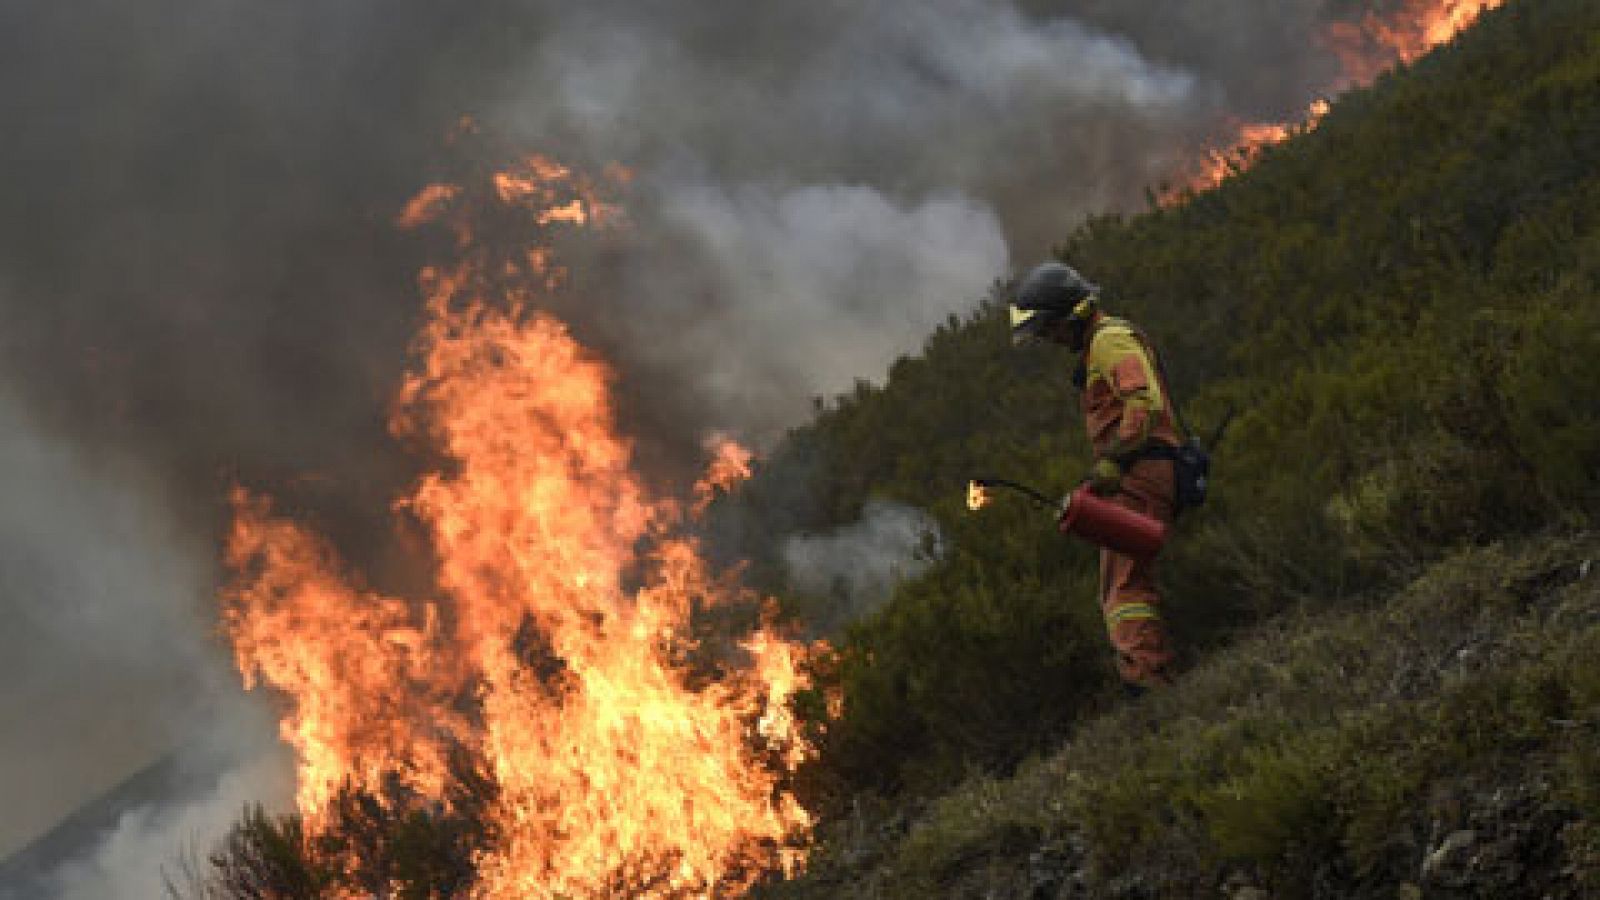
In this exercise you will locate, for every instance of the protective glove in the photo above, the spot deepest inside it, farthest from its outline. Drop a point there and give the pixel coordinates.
(1105, 478)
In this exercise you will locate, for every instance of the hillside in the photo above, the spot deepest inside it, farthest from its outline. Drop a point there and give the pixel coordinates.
(1439, 743)
(1388, 603)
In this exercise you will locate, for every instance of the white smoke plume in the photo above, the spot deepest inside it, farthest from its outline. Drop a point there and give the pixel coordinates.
(164, 843)
(106, 655)
(857, 566)
(815, 286)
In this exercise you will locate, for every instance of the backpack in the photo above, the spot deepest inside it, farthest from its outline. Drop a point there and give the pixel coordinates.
(1191, 464)
(1191, 470)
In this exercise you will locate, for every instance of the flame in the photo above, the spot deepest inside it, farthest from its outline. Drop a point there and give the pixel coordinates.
(556, 653)
(977, 496)
(350, 659)
(1365, 50)
(427, 205)
(554, 194)
(730, 464)
(1249, 141)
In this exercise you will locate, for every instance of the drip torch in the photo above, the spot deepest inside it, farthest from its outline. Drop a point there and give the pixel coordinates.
(1085, 515)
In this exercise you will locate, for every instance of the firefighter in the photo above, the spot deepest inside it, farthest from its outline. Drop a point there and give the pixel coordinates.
(1126, 410)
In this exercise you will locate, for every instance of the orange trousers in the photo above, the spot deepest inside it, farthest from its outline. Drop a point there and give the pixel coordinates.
(1128, 594)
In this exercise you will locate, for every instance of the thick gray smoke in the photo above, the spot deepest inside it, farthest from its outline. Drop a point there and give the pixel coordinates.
(821, 186)
(200, 282)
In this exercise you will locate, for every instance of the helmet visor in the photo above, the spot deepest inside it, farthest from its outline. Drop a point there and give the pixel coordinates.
(1029, 324)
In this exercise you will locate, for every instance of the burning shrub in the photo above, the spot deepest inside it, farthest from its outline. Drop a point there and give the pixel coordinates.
(545, 723)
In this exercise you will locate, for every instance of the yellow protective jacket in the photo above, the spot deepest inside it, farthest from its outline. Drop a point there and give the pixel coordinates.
(1125, 401)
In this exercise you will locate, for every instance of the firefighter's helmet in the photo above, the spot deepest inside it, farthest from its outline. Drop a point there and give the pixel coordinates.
(1049, 293)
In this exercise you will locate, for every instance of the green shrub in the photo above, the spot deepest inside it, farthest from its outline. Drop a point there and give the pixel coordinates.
(1276, 807)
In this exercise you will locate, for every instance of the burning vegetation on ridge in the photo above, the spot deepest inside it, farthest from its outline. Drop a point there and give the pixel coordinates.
(1366, 49)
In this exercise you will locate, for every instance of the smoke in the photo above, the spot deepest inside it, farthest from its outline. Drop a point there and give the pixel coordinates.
(820, 186)
(200, 281)
(106, 655)
(818, 285)
(197, 230)
(166, 841)
(946, 93)
(857, 566)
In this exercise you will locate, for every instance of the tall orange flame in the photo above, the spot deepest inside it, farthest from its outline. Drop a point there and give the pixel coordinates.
(1365, 50)
(557, 654)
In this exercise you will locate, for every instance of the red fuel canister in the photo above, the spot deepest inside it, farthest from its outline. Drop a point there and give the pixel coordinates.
(1107, 524)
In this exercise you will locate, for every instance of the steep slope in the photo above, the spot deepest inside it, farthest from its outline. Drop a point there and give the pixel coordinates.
(1440, 743)
(1404, 304)
(1442, 739)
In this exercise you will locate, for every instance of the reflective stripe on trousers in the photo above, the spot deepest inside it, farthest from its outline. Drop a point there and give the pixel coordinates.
(1129, 598)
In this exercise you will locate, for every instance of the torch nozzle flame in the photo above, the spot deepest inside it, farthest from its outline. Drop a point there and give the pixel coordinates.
(977, 494)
